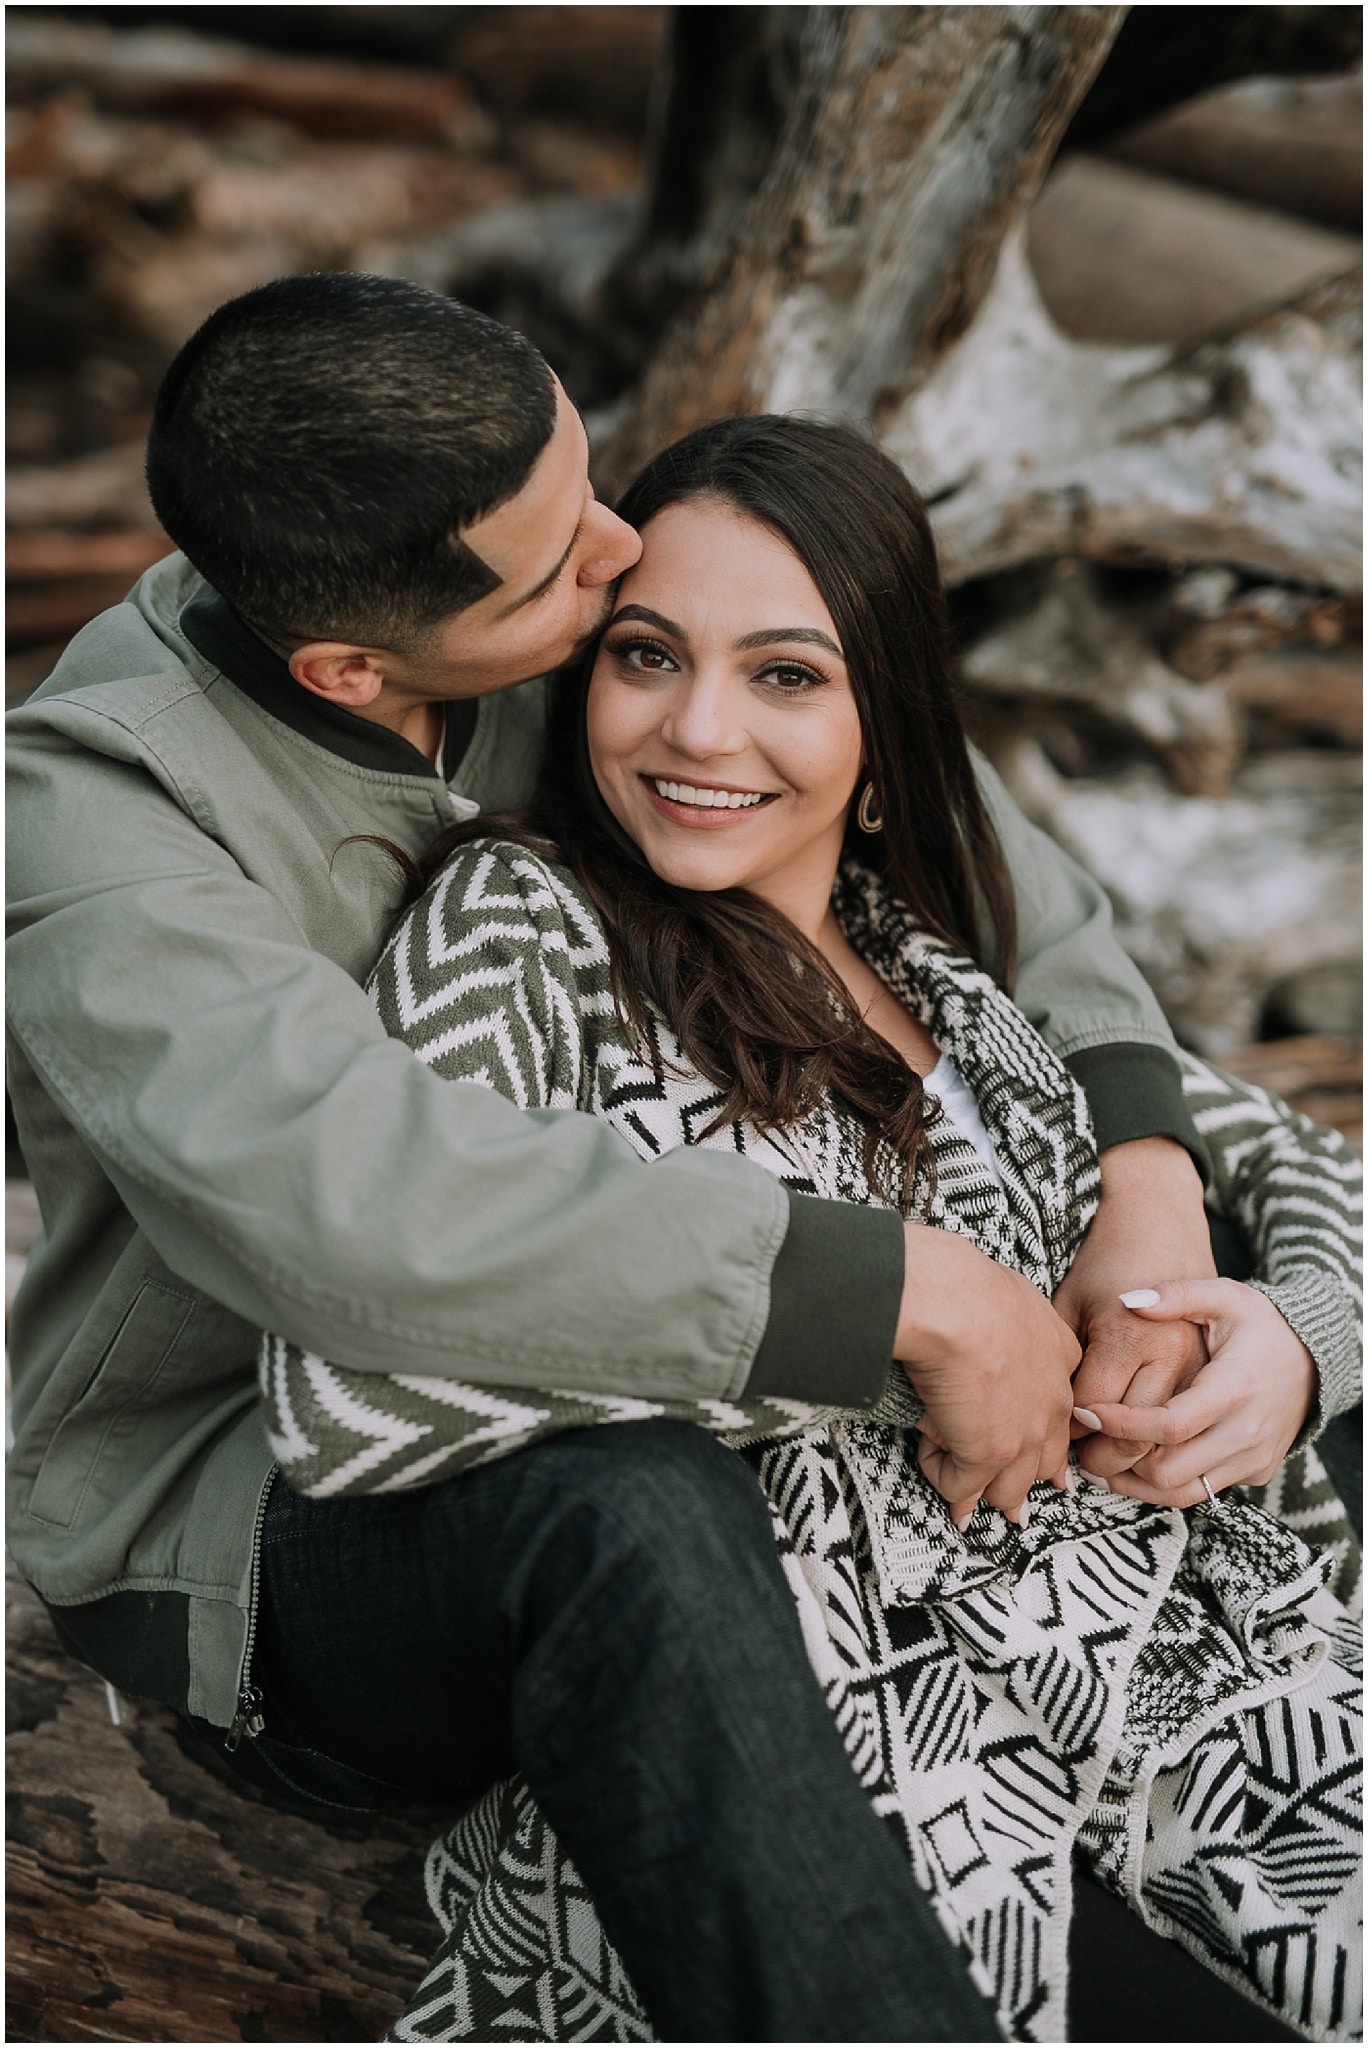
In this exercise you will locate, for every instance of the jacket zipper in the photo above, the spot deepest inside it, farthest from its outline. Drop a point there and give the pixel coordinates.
(249, 1720)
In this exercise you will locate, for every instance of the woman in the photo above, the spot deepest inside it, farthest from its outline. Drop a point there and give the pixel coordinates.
(764, 909)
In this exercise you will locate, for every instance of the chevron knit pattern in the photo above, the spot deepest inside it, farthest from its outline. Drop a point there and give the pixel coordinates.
(1154, 1688)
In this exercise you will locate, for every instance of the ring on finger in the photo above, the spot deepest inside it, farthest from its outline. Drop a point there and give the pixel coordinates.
(1212, 1497)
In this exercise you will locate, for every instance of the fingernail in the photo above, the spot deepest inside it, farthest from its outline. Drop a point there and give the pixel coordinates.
(1020, 1516)
(1088, 1420)
(1093, 1479)
(1068, 1481)
(1140, 1297)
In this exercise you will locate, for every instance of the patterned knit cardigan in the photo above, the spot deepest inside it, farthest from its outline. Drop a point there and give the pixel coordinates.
(500, 976)
(1077, 1671)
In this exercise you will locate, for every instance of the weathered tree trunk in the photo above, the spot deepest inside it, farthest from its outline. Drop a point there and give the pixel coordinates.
(913, 140)
(150, 1899)
(731, 76)
(878, 273)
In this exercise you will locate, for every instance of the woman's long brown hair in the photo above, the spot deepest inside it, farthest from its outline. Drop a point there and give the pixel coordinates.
(755, 1006)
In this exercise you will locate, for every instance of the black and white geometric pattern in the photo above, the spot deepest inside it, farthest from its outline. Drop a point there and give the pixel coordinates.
(1004, 1694)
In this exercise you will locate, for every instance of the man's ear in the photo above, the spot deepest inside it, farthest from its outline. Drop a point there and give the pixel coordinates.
(352, 677)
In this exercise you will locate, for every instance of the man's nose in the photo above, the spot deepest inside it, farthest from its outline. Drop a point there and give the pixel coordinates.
(612, 548)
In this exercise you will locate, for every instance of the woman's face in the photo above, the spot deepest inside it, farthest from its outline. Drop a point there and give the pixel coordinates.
(722, 729)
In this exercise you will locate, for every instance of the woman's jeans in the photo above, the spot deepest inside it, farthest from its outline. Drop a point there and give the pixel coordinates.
(606, 1613)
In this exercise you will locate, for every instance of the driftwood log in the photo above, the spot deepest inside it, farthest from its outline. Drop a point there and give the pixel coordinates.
(152, 69)
(1242, 911)
(1296, 144)
(152, 1897)
(1121, 254)
(912, 139)
(1245, 451)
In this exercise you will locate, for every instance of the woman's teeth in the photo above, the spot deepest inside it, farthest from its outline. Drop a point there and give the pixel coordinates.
(708, 799)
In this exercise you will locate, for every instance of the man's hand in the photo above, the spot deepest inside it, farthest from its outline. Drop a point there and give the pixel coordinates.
(1150, 1227)
(993, 1363)
(1237, 1421)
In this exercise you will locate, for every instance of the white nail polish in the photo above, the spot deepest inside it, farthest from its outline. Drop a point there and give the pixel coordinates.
(1087, 1418)
(1094, 1480)
(1140, 1297)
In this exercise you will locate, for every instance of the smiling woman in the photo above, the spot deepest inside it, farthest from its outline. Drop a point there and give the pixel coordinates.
(773, 694)
(762, 909)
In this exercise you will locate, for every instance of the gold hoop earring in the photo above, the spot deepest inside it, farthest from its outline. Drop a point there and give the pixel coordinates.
(867, 817)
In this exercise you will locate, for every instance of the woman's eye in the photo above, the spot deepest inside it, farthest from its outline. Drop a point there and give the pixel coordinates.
(646, 657)
(791, 677)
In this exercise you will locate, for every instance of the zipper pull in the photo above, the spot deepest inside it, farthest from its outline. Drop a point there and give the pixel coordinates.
(248, 1720)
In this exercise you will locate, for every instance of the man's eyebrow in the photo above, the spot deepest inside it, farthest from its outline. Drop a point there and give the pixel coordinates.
(806, 636)
(548, 580)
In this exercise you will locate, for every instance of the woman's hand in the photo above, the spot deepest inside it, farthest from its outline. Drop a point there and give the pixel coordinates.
(1150, 1220)
(1238, 1419)
(993, 1363)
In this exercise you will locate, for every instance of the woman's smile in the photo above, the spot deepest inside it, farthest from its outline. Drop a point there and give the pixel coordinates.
(704, 805)
(723, 731)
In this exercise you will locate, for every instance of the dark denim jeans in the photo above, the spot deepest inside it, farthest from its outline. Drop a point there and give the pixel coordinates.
(607, 1613)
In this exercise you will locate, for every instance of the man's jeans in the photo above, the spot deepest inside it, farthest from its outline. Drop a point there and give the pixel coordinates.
(606, 1612)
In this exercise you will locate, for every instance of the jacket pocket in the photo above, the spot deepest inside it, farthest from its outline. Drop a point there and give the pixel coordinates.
(126, 1370)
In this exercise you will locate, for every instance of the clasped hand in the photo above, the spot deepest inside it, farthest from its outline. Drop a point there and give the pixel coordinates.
(1233, 1422)
(1201, 1378)
(994, 1363)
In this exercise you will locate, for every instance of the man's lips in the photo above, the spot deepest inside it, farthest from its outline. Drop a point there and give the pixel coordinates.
(700, 804)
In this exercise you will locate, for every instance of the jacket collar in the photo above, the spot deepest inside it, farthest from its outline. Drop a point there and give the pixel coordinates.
(221, 636)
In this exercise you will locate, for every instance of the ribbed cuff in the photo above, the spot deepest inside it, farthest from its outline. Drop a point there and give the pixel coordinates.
(1136, 1091)
(834, 1298)
(1327, 1324)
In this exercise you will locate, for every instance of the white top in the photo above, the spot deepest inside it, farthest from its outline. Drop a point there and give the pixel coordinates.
(960, 1105)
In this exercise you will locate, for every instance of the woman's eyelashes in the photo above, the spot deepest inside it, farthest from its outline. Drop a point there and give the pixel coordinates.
(791, 677)
(643, 657)
(651, 657)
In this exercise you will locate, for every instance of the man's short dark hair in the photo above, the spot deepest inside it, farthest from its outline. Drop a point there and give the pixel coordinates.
(319, 443)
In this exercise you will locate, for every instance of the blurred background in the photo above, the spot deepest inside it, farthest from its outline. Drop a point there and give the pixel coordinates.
(1179, 703)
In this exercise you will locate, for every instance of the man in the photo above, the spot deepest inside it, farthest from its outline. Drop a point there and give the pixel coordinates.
(386, 501)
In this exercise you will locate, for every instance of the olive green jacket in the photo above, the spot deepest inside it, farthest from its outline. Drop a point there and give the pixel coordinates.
(223, 1138)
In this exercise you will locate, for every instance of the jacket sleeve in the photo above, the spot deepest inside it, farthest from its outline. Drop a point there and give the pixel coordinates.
(495, 977)
(286, 1156)
(1083, 994)
(1295, 1189)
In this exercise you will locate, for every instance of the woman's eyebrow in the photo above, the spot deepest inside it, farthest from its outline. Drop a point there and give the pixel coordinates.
(806, 636)
(648, 618)
(769, 636)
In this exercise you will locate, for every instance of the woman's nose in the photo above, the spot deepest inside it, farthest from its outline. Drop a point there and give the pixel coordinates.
(701, 719)
(612, 547)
